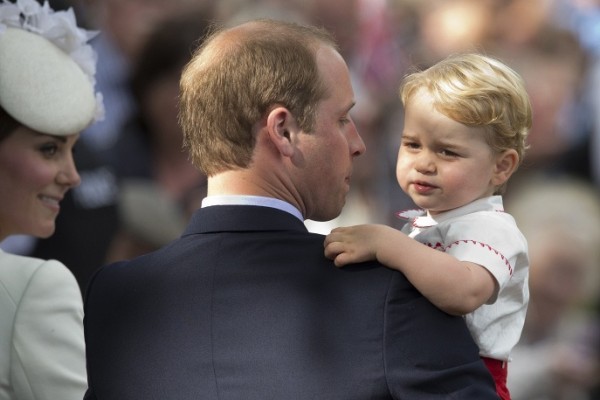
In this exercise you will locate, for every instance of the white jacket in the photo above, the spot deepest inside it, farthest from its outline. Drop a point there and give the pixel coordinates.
(42, 348)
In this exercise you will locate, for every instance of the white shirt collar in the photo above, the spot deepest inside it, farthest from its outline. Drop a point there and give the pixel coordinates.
(245, 200)
(422, 219)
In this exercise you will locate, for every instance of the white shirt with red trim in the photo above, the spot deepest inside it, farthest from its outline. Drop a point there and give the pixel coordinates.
(482, 233)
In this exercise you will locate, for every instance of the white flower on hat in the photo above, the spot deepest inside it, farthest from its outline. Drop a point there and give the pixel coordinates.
(10, 14)
(58, 27)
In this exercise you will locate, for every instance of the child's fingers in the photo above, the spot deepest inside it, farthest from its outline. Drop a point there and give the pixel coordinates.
(332, 249)
(341, 260)
(334, 237)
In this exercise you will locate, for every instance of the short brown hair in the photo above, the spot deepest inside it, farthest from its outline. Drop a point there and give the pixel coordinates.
(233, 79)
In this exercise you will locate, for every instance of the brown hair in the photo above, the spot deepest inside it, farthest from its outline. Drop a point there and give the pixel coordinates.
(7, 124)
(233, 79)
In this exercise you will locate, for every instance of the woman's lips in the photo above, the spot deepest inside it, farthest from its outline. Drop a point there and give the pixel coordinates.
(51, 201)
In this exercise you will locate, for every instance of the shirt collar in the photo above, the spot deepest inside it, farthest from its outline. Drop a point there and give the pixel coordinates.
(422, 219)
(245, 200)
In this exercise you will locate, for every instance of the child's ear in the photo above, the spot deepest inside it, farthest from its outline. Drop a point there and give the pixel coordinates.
(506, 163)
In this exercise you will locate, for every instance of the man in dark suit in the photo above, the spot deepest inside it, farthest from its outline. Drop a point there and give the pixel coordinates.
(245, 305)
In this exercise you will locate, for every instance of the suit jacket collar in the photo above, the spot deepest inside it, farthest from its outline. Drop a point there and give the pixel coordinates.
(240, 218)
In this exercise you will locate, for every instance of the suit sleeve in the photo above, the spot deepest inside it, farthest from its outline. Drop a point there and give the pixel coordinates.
(430, 354)
(48, 346)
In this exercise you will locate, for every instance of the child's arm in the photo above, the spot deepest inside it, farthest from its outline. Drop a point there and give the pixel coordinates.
(456, 287)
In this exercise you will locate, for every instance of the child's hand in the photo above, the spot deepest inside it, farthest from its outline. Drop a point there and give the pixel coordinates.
(352, 244)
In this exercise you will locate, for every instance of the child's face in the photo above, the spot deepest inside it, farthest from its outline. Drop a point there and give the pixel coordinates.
(443, 164)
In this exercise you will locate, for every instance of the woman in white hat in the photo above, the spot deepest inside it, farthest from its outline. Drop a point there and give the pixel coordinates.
(46, 99)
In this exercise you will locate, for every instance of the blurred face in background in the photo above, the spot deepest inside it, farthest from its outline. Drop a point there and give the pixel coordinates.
(130, 22)
(558, 271)
(36, 171)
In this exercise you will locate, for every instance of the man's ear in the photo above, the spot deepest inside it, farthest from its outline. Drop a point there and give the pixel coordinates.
(506, 163)
(281, 124)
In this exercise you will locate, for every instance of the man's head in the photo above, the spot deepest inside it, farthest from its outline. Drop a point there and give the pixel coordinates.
(270, 98)
(235, 77)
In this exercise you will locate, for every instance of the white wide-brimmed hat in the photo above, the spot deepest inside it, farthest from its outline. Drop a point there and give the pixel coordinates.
(43, 86)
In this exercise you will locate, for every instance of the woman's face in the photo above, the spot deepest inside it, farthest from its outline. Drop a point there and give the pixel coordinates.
(36, 170)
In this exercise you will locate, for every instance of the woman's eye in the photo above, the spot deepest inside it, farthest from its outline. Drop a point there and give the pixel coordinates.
(49, 149)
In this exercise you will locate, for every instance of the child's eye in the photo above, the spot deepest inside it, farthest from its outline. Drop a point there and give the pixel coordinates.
(448, 153)
(411, 145)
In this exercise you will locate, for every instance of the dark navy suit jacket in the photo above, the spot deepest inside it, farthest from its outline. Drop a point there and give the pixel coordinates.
(245, 306)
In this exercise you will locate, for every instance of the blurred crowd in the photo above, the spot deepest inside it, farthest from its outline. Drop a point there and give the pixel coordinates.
(138, 187)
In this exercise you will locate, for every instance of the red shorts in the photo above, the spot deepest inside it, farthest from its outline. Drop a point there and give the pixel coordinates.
(498, 369)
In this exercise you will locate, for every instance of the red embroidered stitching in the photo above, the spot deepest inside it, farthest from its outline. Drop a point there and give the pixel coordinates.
(440, 246)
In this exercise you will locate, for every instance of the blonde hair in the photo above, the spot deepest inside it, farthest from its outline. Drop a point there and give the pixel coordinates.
(478, 90)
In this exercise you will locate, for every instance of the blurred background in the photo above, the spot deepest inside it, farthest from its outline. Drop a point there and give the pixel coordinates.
(138, 188)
